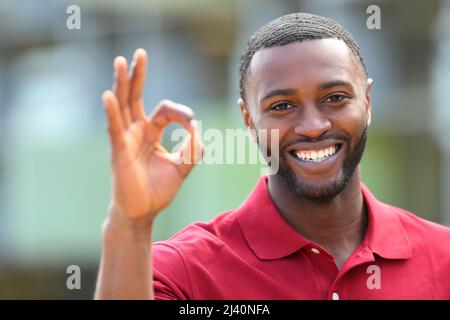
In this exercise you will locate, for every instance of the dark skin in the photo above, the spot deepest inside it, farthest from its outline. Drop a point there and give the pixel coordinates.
(314, 111)
(324, 101)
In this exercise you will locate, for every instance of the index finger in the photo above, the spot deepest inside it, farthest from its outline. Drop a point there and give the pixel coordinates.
(115, 123)
(192, 149)
(168, 111)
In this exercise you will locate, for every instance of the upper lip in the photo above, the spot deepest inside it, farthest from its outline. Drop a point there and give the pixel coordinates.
(313, 146)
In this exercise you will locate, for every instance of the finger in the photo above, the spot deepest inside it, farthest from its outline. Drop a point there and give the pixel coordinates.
(122, 87)
(167, 112)
(137, 79)
(114, 117)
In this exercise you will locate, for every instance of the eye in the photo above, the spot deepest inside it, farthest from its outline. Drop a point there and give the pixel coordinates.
(282, 107)
(335, 98)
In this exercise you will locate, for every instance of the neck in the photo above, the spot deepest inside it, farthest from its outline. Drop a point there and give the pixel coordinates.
(337, 224)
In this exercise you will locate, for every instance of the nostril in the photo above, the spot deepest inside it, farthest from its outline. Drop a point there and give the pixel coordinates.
(312, 129)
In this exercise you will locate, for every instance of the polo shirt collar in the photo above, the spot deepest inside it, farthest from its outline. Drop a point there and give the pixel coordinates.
(385, 234)
(267, 232)
(271, 237)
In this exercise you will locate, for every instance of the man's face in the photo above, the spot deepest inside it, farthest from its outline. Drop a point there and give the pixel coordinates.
(316, 94)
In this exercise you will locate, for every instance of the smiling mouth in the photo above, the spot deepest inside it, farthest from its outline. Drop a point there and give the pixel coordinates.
(316, 156)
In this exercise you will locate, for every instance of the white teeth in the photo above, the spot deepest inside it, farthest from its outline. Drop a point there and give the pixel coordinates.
(316, 156)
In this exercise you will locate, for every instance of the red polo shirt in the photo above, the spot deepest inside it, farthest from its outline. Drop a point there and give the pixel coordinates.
(253, 253)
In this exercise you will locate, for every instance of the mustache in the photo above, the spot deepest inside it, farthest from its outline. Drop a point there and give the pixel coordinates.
(323, 137)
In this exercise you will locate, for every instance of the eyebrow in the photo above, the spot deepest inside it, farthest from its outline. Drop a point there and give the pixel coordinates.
(279, 92)
(289, 91)
(335, 83)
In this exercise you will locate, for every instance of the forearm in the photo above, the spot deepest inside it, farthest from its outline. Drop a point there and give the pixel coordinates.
(126, 264)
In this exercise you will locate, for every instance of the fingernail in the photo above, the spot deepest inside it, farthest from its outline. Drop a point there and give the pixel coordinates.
(105, 94)
(118, 59)
(139, 51)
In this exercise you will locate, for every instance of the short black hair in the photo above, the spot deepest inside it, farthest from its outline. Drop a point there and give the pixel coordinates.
(294, 27)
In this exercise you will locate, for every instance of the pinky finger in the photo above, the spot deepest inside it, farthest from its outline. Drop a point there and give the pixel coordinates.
(115, 123)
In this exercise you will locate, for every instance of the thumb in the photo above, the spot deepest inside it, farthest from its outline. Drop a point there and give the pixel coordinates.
(191, 151)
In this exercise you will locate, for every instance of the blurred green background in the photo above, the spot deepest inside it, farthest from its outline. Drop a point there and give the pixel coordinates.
(54, 160)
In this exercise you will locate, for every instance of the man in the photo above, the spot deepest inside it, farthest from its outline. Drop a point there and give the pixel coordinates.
(312, 230)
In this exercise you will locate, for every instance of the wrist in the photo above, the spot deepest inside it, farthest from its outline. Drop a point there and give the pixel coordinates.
(119, 226)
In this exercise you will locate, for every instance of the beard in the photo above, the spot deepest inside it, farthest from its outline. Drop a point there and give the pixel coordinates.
(326, 190)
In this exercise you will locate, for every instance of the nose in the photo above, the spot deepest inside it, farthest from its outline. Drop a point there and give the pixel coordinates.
(312, 123)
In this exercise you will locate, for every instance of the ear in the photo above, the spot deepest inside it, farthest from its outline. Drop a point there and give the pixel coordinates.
(368, 100)
(245, 114)
(247, 118)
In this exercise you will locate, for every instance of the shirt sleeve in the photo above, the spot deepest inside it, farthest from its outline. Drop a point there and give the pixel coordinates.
(171, 280)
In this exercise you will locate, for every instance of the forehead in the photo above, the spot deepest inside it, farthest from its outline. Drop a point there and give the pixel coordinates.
(301, 64)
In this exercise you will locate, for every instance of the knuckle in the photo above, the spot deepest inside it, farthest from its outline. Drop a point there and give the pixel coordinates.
(111, 129)
(165, 103)
(163, 106)
(190, 113)
(176, 109)
(184, 111)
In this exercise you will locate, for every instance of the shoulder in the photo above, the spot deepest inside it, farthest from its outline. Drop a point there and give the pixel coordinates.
(179, 259)
(205, 236)
(422, 232)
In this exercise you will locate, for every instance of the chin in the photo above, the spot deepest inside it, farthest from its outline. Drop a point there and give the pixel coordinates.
(315, 188)
(319, 190)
